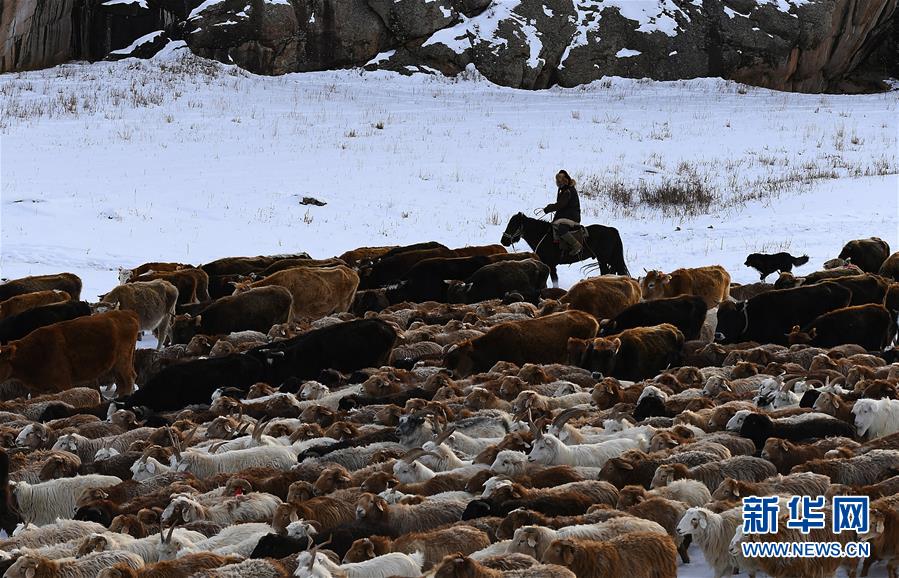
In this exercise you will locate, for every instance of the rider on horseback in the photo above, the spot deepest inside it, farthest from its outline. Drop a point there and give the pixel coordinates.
(567, 209)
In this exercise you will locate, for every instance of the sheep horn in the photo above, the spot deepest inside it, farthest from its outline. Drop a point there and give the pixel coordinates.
(190, 434)
(444, 435)
(260, 428)
(535, 431)
(242, 430)
(215, 447)
(566, 415)
(176, 445)
(168, 538)
(412, 455)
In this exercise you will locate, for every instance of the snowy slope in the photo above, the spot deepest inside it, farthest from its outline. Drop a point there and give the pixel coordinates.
(114, 164)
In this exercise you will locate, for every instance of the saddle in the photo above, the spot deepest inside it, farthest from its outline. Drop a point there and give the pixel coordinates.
(580, 233)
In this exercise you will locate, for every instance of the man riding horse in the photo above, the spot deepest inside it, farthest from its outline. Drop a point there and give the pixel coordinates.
(567, 218)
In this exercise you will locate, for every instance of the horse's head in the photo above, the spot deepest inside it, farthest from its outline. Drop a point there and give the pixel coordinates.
(512, 234)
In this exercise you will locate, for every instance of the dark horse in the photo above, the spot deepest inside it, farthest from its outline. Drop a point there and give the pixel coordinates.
(603, 244)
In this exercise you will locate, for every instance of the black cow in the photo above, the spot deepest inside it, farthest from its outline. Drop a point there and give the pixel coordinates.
(769, 317)
(870, 326)
(345, 347)
(686, 312)
(245, 265)
(426, 280)
(867, 254)
(865, 288)
(255, 310)
(494, 281)
(392, 267)
(20, 325)
(194, 382)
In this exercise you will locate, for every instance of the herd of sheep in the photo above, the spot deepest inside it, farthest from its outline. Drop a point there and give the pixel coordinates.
(426, 411)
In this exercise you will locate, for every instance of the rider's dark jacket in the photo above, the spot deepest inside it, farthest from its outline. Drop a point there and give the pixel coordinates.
(567, 205)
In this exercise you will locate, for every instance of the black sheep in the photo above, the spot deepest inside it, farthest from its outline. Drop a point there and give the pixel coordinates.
(759, 427)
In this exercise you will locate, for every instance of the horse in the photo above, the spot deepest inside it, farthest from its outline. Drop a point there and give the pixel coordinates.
(602, 243)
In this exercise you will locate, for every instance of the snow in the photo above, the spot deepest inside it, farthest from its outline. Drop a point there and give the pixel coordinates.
(140, 3)
(627, 53)
(117, 163)
(381, 58)
(140, 41)
(195, 13)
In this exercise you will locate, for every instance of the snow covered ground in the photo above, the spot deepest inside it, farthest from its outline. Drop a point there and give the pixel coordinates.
(113, 164)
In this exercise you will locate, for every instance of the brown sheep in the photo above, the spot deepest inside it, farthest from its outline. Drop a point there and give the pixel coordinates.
(634, 555)
(434, 544)
(603, 297)
(540, 340)
(711, 283)
(460, 566)
(785, 454)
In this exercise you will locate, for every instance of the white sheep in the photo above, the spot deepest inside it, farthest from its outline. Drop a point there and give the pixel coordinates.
(712, 533)
(252, 507)
(534, 540)
(147, 548)
(48, 501)
(86, 448)
(62, 530)
(238, 539)
(29, 565)
(876, 418)
(204, 465)
(147, 467)
(314, 565)
(549, 451)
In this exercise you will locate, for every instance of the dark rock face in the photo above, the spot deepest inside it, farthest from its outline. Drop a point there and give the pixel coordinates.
(801, 45)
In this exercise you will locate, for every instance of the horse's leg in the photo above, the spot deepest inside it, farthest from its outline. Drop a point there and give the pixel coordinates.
(554, 275)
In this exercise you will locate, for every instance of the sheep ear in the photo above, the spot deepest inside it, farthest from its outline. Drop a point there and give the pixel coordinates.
(293, 516)
(197, 320)
(879, 527)
(151, 467)
(736, 492)
(29, 573)
(380, 505)
(703, 522)
(616, 343)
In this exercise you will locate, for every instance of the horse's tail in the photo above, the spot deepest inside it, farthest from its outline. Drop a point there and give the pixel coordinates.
(617, 256)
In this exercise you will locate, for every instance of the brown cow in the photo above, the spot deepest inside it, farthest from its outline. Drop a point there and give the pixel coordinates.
(67, 282)
(129, 275)
(890, 267)
(603, 297)
(317, 291)
(71, 353)
(711, 283)
(539, 340)
(867, 254)
(153, 301)
(20, 303)
(634, 354)
(476, 250)
(363, 255)
(192, 284)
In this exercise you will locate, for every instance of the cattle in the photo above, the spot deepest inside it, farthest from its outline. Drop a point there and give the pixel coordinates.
(540, 340)
(343, 347)
(192, 284)
(633, 354)
(153, 301)
(74, 352)
(26, 301)
(316, 292)
(245, 265)
(494, 281)
(865, 288)
(67, 282)
(427, 280)
(129, 275)
(364, 255)
(870, 326)
(769, 317)
(393, 266)
(482, 250)
(283, 264)
(193, 382)
(767, 264)
(711, 283)
(891, 300)
(255, 310)
(890, 268)
(686, 312)
(867, 254)
(18, 326)
(603, 297)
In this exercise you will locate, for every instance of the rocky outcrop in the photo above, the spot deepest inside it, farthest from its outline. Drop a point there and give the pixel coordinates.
(800, 45)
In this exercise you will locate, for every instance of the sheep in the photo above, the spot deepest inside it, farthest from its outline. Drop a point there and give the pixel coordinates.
(713, 533)
(636, 555)
(883, 535)
(690, 492)
(204, 465)
(238, 539)
(86, 448)
(187, 565)
(246, 569)
(784, 455)
(404, 518)
(46, 502)
(31, 566)
(760, 427)
(60, 531)
(314, 565)
(549, 450)
(534, 540)
(861, 470)
(459, 566)
(744, 468)
(147, 548)
(252, 507)
(876, 418)
(805, 484)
